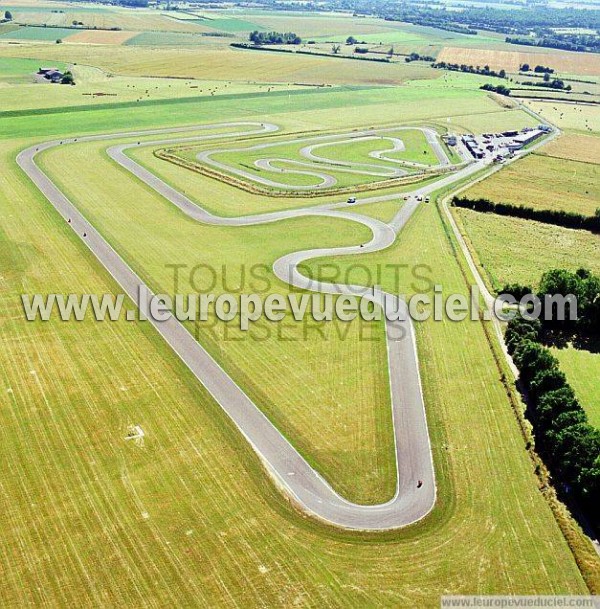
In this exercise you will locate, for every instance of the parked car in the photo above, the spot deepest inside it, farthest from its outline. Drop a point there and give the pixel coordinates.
(352, 200)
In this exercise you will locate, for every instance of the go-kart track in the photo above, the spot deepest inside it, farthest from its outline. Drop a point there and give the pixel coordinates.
(318, 166)
(306, 487)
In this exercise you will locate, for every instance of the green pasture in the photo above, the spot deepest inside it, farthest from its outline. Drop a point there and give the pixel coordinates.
(583, 370)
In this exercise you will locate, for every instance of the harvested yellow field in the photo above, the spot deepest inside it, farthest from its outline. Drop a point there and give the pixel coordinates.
(101, 37)
(126, 19)
(576, 117)
(584, 148)
(213, 62)
(544, 182)
(565, 61)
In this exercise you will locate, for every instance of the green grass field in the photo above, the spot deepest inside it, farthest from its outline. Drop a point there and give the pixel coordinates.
(165, 38)
(417, 149)
(582, 369)
(513, 250)
(17, 71)
(231, 25)
(310, 108)
(39, 33)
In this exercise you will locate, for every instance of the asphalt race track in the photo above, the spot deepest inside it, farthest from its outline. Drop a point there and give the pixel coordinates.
(293, 474)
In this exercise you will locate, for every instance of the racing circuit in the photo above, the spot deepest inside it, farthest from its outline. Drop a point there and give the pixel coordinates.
(315, 158)
(415, 493)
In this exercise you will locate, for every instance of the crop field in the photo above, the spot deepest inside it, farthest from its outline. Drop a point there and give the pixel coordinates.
(39, 33)
(97, 87)
(575, 184)
(100, 17)
(574, 117)
(216, 62)
(511, 250)
(101, 37)
(407, 38)
(160, 39)
(510, 60)
(576, 147)
(583, 369)
(230, 25)
(314, 26)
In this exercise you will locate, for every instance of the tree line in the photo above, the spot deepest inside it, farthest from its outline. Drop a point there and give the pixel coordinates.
(274, 38)
(582, 43)
(417, 57)
(525, 67)
(555, 83)
(568, 444)
(483, 71)
(557, 217)
(500, 89)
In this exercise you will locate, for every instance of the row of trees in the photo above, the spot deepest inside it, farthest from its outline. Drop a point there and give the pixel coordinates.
(274, 38)
(501, 89)
(583, 43)
(566, 219)
(525, 67)
(483, 71)
(555, 83)
(569, 445)
(416, 57)
(505, 20)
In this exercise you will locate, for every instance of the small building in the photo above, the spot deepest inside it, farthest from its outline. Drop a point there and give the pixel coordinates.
(54, 76)
(47, 70)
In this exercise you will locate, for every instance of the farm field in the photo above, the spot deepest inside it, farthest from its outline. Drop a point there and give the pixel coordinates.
(510, 60)
(38, 33)
(511, 250)
(576, 147)
(155, 465)
(218, 62)
(100, 17)
(96, 87)
(575, 184)
(573, 117)
(582, 369)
